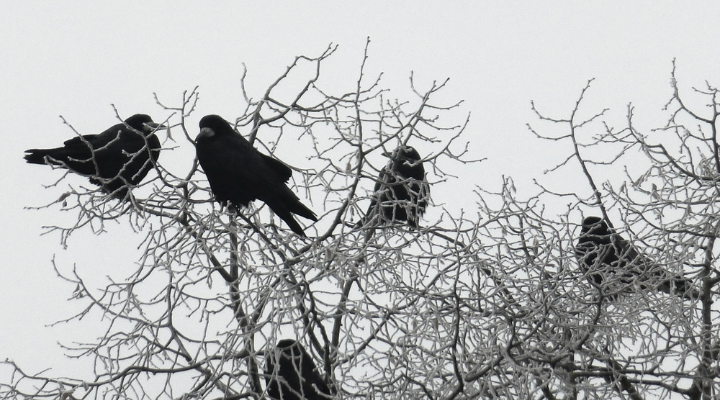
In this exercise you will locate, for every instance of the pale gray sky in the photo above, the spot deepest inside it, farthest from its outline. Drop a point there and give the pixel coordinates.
(77, 58)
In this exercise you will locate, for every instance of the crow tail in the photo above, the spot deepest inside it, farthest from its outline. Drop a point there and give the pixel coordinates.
(37, 156)
(681, 287)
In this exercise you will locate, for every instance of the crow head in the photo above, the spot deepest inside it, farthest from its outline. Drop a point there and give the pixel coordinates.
(405, 161)
(212, 125)
(143, 123)
(594, 226)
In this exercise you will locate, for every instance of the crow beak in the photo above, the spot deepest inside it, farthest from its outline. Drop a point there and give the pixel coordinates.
(153, 126)
(205, 132)
(387, 154)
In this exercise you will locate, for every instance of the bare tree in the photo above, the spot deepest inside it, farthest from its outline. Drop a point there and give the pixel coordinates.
(488, 305)
(645, 344)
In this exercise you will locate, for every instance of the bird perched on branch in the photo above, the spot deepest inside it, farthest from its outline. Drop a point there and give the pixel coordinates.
(291, 374)
(607, 257)
(238, 173)
(401, 191)
(115, 160)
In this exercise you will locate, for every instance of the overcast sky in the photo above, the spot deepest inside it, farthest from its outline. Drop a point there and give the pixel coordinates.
(78, 58)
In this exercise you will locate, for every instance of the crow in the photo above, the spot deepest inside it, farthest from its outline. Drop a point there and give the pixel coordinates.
(290, 374)
(238, 173)
(115, 160)
(605, 255)
(401, 191)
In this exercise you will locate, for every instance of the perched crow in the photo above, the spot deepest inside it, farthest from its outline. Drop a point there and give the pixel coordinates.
(606, 256)
(115, 159)
(401, 192)
(238, 173)
(290, 374)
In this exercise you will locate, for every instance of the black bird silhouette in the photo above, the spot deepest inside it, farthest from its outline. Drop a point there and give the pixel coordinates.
(607, 257)
(238, 173)
(290, 374)
(115, 159)
(401, 191)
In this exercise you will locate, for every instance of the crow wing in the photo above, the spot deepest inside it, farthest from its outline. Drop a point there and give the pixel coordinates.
(239, 173)
(609, 259)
